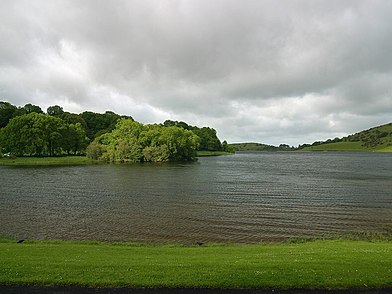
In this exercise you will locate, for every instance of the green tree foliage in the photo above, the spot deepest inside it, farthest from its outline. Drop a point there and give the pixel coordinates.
(7, 111)
(29, 108)
(37, 134)
(74, 138)
(55, 111)
(180, 124)
(181, 143)
(28, 131)
(95, 150)
(209, 140)
(227, 148)
(73, 118)
(131, 141)
(98, 123)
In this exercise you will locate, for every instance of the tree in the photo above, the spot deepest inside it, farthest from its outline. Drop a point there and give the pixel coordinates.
(7, 111)
(180, 124)
(29, 108)
(33, 134)
(55, 111)
(73, 118)
(208, 139)
(182, 144)
(98, 123)
(124, 143)
(20, 136)
(74, 139)
(227, 148)
(95, 150)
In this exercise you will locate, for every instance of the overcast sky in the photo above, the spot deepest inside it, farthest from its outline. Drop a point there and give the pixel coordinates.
(256, 71)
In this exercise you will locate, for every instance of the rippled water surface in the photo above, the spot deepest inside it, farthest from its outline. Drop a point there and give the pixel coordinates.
(247, 197)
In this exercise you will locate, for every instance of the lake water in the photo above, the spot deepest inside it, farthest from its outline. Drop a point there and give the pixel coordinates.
(244, 198)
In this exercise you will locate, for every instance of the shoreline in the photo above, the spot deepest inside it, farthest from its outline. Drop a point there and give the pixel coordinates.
(82, 160)
(47, 161)
(75, 160)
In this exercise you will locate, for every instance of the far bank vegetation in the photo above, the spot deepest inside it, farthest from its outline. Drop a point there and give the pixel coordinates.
(29, 131)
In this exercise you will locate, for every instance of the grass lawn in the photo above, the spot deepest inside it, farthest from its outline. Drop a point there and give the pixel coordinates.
(64, 160)
(318, 264)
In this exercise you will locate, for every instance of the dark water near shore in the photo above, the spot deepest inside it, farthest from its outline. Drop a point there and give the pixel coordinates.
(248, 197)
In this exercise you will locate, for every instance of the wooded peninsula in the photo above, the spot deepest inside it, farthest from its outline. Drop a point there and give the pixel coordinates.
(110, 137)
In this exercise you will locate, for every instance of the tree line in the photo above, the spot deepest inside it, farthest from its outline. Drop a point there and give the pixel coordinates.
(29, 131)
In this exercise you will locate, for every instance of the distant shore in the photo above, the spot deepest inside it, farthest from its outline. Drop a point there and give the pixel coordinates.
(43, 161)
(74, 160)
(212, 153)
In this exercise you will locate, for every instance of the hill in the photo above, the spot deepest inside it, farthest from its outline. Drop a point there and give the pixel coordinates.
(377, 139)
(374, 139)
(260, 147)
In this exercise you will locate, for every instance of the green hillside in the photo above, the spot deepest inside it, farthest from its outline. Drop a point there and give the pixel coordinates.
(377, 139)
(259, 147)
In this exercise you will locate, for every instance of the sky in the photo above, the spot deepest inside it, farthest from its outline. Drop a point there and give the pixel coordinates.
(271, 72)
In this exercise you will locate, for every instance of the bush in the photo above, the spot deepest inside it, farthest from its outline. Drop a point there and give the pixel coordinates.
(95, 151)
(156, 154)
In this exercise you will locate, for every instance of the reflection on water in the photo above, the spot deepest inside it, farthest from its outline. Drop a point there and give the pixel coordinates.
(248, 197)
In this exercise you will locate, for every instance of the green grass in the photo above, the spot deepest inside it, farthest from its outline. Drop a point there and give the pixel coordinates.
(348, 146)
(339, 146)
(379, 139)
(385, 149)
(318, 264)
(65, 160)
(212, 153)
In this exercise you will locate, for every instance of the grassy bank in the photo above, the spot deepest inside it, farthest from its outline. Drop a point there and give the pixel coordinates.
(348, 146)
(212, 153)
(317, 264)
(65, 160)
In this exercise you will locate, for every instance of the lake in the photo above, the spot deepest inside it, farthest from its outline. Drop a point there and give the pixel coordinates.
(243, 198)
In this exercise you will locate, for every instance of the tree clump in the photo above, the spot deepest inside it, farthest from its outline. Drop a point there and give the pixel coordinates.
(38, 134)
(28, 131)
(132, 141)
(209, 140)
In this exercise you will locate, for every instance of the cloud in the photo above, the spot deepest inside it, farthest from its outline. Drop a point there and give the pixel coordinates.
(266, 71)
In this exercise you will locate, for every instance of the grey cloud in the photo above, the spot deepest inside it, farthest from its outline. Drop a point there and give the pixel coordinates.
(255, 70)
